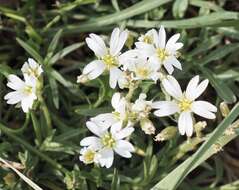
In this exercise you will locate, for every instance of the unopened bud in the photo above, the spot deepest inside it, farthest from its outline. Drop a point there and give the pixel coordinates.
(166, 134)
(199, 126)
(230, 131)
(217, 148)
(224, 109)
(147, 126)
(130, 41)
(82, 79)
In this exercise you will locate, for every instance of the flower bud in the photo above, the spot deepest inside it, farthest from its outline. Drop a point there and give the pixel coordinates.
(147, 126)
(82, 79)
(10, 180)
(224, 109)
(130, 41)
(199, 126)
(166, 134)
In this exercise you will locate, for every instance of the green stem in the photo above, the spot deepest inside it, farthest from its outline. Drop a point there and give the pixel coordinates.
(29, 147)
(46, 114)
(36, 128)
(17, 131)
(132, 88)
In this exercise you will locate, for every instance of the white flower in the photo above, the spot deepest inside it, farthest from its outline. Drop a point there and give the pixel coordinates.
(88, 155)
(144, 70)
(160, 52)
(31, 68)
(141, 106)
(108, 58)
(185, 103)
(117, 117)
(148, 37)
(25, 91)
(108, 142)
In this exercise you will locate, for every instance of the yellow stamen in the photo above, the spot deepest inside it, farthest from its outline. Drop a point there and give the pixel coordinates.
(27, 90)
(162, 54)
(185, 104)
(89, 156)
(148, 39)
(142, 72)
(109, 61)
(108, 141)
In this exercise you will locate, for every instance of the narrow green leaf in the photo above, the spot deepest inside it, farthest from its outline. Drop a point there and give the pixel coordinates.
(214, 19)
(5, 70)
(115, 181)
(54, 91)
(136, 9)
(54, 43)
(179, 8)
(62, 53)
(92, 112)
(30, 50)
(173, 179)
(220, 86)
(219, 53)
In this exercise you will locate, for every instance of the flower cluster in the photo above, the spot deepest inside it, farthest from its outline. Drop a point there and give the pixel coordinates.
(153, 59)
(25, 91)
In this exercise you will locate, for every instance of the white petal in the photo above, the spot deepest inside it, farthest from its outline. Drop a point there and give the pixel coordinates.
(32, 63)
(145, 49)
(91, 141)
(123, 133)
(104, 120)
(96, 47)
(201, 88)
(14, 82)
(185, 123)
(26, 104)
(128, 57)
(115, 100)
(169, 67)
(94, 128)
(100, 42)
(204, 109)
(116, 128)
(94, 69)
(172, 45)
(106, 157)
(114, 39)
(162, 38)
(191, 88)
(173, 61)
(172, 87)
(115, 73)
(165, 108)
(13, 97)
(123, 148)
(117, 41)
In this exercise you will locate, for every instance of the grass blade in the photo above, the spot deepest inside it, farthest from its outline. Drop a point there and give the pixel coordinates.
(171, 183)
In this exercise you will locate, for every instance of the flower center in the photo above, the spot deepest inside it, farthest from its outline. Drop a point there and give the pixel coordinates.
(109, 60)
(108, 141)
(27, 90)
(142, 72)
(89, 156)
(185, 104)
(162, 54)
(148, 39)
(116, 114)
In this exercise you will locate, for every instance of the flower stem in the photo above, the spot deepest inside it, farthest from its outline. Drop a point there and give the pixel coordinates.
(132, 88)
(46, 114)
(36, 128)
